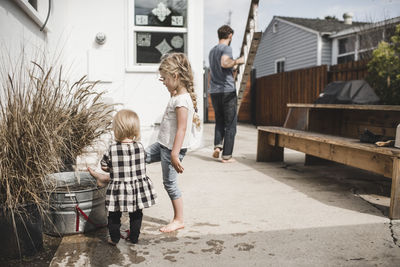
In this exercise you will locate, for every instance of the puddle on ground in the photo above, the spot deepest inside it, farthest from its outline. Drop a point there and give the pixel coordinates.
(170, 258)
(169, 239)
(205, 224)
(239, 234)
(244, 247)
(169, 251)
(134, 258)
(193, 237)
(216, 246)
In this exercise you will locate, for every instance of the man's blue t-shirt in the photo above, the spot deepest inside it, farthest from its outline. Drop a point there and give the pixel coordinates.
(221, 78)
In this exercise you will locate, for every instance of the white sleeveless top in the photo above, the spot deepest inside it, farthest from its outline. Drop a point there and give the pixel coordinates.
(168, 125)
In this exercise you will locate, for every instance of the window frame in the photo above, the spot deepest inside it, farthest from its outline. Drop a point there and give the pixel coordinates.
(132, 29)
(275, 27)
(33, 13)
(279, 60)
(351, 53)
(357, 45)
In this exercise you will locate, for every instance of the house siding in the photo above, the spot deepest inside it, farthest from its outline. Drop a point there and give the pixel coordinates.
(326, 55)
(296, 45)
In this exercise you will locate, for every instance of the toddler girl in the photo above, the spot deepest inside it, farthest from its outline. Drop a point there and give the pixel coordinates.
(129, 189)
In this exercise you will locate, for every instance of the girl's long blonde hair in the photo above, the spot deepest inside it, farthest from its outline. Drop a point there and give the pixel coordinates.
(178, 64)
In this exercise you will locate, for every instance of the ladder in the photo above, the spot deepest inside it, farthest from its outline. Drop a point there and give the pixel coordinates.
(250, 43)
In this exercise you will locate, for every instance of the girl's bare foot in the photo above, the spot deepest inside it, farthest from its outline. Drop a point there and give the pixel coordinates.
(172, 226)
(228, 160)
(101, 179)
(216, 153)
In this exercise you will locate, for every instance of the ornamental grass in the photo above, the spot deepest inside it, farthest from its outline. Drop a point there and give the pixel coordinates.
(45, 123)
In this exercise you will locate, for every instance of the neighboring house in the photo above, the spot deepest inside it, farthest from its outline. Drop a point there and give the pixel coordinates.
(357, 43)
(293, 43)
(116, 42)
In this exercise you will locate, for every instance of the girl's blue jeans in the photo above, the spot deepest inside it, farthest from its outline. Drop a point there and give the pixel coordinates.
(157, 152)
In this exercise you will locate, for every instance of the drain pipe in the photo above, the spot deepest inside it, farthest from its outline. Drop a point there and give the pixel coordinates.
(47, 18)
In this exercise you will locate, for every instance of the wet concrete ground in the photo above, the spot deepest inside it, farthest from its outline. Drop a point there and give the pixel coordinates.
(256, 214)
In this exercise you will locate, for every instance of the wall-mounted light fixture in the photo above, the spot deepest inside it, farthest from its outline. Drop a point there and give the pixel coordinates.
(100, 38)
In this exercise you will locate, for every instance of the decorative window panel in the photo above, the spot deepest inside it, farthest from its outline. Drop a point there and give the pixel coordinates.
(156, 27)
(167, 13)
(150, 46)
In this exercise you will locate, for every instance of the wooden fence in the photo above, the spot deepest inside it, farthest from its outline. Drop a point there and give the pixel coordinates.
(267, 105)
(244, 114)
(273, 92)
(355, 70)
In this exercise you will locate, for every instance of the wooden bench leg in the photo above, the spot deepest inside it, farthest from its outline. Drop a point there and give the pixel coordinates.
(265, 151)
(394, 212)
(312, 160)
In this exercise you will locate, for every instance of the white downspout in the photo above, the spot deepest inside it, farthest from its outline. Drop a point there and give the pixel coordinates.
(319, 49)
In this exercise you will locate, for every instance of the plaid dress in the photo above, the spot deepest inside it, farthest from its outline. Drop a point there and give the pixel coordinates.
(130, 188)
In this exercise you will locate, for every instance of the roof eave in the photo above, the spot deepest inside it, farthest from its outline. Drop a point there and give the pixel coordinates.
(365, 27)
(297, 25)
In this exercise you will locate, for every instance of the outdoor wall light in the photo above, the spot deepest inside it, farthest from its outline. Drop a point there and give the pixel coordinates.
(100, 38)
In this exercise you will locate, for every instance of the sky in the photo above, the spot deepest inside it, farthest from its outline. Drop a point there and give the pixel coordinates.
(216, 13)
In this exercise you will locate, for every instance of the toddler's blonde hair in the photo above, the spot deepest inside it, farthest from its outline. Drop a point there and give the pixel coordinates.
(178, 64)
(126, 124)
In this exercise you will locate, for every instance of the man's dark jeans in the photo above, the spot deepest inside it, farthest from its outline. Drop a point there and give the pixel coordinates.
(225, 108)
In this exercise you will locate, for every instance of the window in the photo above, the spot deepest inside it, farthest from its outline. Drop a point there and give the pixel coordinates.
(370, 39)
(33, 3)
(280, 65)
(389, 32)
(156, 27)
(347, 45)
(361, 45)
(275, 27)
(35, 9)
(345, 59)
(347, 49)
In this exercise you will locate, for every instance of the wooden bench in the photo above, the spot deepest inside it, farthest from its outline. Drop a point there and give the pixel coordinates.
(331, 132)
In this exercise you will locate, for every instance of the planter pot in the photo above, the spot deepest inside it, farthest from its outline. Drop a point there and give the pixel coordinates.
(77, 205)
(28, 231)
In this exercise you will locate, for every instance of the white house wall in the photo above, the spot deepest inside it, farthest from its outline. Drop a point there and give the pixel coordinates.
(296, 45)
(17, 29)
(73, 26)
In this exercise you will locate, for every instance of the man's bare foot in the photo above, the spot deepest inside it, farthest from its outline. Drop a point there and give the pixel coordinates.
(101, 179)
(228, 160)
(216, 153)
(172, 226)
(112, 243)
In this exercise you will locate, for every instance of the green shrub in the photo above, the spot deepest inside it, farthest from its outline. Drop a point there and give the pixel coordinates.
(384, 70)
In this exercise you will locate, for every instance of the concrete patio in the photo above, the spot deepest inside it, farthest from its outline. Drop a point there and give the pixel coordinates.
(256, 214)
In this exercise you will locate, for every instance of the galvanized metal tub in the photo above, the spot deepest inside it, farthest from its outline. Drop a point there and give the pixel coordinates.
(76, 197)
